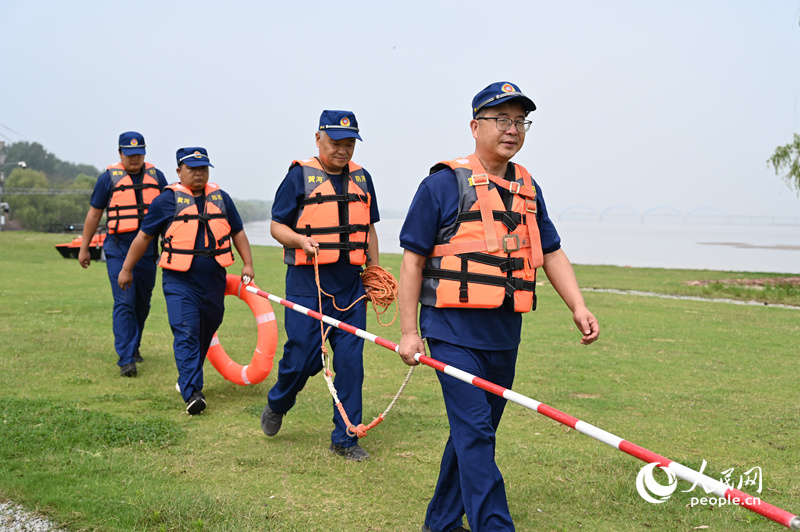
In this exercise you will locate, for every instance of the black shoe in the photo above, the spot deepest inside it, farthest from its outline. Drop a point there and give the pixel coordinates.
(351, 453)
(196, 403)
(426, 528)
(128, 370)
(270, 421)
(137, 357)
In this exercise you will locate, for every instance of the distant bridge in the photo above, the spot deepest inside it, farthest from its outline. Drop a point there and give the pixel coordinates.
(667, 214)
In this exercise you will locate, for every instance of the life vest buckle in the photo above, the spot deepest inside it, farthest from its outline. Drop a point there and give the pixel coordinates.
(514, 187)
(530, 205)
(511, 219)
(479, 179)
(513, 264)
(514, 246)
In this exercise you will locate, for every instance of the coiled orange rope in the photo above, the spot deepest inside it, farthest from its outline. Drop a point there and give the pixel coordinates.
(381, 289)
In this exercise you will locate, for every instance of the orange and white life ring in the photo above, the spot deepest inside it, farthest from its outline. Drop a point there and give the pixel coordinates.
(261, 364)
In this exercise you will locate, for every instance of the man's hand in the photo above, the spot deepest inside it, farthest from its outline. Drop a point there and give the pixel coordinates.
(310, 246)
(587, 324)
(248, 274)
(410, 345)
(125, 278)
(84, 257)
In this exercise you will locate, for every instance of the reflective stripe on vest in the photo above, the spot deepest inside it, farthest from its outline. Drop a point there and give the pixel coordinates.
(338, 222)
(129, 201)
(490, 252)
(177, 245)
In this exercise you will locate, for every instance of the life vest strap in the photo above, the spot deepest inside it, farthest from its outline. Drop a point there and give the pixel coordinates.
(513, 187)
(138, 216)
(137, 206)
(344, 246)
(511, 284)
(484, 204)
(510, 219)
(135, 186)
(333, 230)
(506, 264)
(197, 252)
(473, 246)
(347, 198)
(204, 218)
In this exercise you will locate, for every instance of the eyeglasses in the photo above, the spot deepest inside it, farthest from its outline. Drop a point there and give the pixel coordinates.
(504, 124)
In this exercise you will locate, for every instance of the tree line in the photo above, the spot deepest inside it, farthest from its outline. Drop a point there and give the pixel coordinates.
(51, 195)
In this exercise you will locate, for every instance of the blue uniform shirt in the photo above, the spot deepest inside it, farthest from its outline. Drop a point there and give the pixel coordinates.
(203, 269)
(340, 278)
(434, 206)
(117, 245)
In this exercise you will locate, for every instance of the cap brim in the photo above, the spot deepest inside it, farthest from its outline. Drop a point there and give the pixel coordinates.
(194, 164)
(132, 151)
(527, 104)
(339, 135)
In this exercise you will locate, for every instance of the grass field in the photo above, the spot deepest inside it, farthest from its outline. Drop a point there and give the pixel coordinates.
(690, 380)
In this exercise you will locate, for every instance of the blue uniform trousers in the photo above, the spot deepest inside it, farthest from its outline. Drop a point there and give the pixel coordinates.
(194, 316)
(469, 481)
(131, 306)
(302, 358)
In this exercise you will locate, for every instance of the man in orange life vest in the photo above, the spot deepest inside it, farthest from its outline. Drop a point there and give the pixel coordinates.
(325, 207)
(125, 190)
(197, 221)
(475, 233)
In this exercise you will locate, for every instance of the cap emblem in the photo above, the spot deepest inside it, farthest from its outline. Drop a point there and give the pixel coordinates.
(197, 155)
(345, 122)
(134, 142)
(508, 87)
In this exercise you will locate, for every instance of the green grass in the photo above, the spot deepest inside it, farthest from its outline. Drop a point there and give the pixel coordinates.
(675, 282)
(690, 380)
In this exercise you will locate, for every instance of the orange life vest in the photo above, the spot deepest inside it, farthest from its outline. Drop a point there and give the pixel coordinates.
(490, 252)
(338, 222)
(177, 245)
(129, 202)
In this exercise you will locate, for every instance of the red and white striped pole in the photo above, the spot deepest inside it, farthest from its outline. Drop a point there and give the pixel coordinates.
(711, 485)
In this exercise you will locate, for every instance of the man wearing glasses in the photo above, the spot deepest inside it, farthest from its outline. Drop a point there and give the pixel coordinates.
(475, 233)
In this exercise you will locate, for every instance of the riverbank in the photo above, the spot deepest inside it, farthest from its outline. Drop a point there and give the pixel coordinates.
(743, 247)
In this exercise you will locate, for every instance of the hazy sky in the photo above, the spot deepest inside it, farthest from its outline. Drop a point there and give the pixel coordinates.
(641, 104)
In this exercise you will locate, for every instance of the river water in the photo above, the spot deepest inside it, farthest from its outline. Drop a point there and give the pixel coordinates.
(718, 244)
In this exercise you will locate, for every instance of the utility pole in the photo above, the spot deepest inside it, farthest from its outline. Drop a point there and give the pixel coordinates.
(3, 206)
(4, 209)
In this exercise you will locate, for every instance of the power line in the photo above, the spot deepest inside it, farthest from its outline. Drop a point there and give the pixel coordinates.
(11, 130)
(45, 192)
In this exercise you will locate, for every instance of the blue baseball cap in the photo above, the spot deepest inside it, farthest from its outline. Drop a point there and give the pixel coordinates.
(500, 92)
(132, 143)
(193, 157)
(339, 124)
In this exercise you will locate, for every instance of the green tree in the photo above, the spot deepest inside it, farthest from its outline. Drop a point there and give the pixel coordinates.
(39, 206)
(37, 158)
(786, 162)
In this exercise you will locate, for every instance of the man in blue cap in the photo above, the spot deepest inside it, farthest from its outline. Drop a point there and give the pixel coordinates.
(475, 233)
(125, 190)
(198, 222)
(324, 212)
